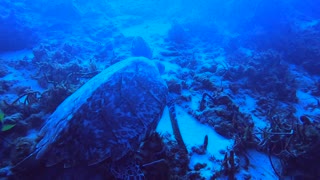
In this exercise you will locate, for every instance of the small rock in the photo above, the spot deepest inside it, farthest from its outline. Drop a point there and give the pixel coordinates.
(199, 166)
(174, 85)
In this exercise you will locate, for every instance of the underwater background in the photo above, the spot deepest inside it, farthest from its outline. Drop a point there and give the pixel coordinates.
(242, 79)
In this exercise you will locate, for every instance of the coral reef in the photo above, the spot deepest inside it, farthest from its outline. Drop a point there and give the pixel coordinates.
(294, 143)
(224, 116)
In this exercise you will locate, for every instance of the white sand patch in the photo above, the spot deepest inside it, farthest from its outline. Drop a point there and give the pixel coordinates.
(169, 67)
(210, 169)
(19, 79)
(247, 105)
(258, 122)
(147, 30)
(246, 51)
(304, 81)
(193, 134)
(220, 59)
(164, 125)
(195, 101)
(22, 78)
(248, 108)
(305, 99)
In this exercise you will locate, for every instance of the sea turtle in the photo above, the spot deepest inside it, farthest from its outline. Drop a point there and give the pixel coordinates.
(107, 117)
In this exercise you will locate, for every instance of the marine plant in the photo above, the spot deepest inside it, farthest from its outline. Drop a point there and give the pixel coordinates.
(294, 143)
(229, 167)
(202, 149)
(4, 125)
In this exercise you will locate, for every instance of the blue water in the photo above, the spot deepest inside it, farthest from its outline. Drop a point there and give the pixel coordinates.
(258, 62)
